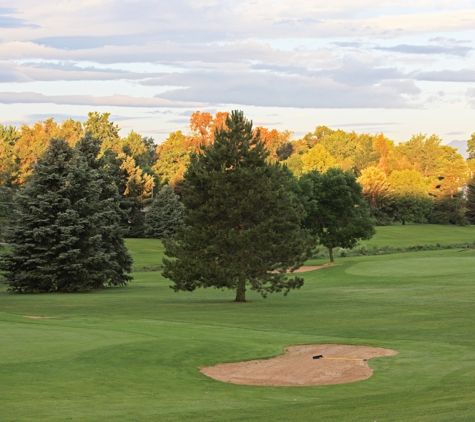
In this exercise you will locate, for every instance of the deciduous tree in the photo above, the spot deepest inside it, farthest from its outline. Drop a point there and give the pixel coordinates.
(410, 192)
(318, 158)
(377, 193)
(336, 210)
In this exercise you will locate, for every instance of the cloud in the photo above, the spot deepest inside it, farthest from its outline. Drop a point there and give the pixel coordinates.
(448, 41)
(263, 52)
(350, 72)
(428, 49)
(56, 116)
(157, 52)
(89, 100)
(94, 24)
(470, 95)
(366, 124)
(270, 89)
(7, 21)
(462, 75)
(347, 44)
(28, 72)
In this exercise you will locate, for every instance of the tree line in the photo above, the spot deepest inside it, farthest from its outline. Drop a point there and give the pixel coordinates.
(417, 181)
(243, 220)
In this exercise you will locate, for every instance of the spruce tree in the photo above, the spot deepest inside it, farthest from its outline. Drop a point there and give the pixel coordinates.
(108, 208)
(165, 214)
(242, 219)
(337, 212)
(64, 237)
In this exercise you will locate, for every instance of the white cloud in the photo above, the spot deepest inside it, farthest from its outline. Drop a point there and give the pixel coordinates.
(113, 100)
(270, 89)
(303, 54)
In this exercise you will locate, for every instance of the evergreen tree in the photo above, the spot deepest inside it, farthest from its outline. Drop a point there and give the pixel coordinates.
(64, 236)
(109, 207)
(336, 209)
(6, 209)
(242, 218)
(165, 214)
(470, 202)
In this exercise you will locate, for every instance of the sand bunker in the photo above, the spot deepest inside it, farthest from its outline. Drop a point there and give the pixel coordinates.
(298, 368)
(37, 317)
(306, 268)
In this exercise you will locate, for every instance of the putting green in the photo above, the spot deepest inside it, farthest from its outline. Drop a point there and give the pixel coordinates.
(414, 267)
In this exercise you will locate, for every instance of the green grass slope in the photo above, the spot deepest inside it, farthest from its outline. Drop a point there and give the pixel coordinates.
(132, 354)
(146, 252)
(399, 236)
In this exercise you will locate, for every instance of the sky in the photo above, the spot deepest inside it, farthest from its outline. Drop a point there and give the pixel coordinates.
(397, 67)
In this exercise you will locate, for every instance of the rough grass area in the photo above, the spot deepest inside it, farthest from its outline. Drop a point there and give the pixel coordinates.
(132, 354)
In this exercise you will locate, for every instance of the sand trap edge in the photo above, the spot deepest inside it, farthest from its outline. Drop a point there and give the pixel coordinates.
(296, 367)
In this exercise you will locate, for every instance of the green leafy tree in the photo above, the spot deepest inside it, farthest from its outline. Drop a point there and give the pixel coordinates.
(411, 196)
(64, 237)
(165, 214)
(424, 154)
(450, 209)
(99, 126)
(9, 135)
(173, 157)
(242, 219)
(377, 193)
(318, 158)
(295, 164)
(337, 212)
(471, 146)
(141, 149)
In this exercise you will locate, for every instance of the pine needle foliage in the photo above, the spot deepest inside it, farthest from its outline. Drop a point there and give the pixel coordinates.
(165, 214)
(65, 236)
(242, 219)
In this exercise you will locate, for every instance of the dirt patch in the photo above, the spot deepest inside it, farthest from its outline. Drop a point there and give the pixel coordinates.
(37, 317)
(296, 367)
(305, 268)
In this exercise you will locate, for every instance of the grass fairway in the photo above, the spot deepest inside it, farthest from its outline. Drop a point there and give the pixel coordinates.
(400, 236)
(146, 252)
(132, 354)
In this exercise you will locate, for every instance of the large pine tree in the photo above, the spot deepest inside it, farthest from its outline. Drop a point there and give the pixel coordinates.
(65, 235)
(242, 219)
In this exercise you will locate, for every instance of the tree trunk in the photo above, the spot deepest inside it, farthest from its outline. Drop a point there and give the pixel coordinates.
(330, 253)
(403, 222)
(241, 290)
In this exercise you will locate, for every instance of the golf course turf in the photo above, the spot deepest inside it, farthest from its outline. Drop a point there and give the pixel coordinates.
(132, 354)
